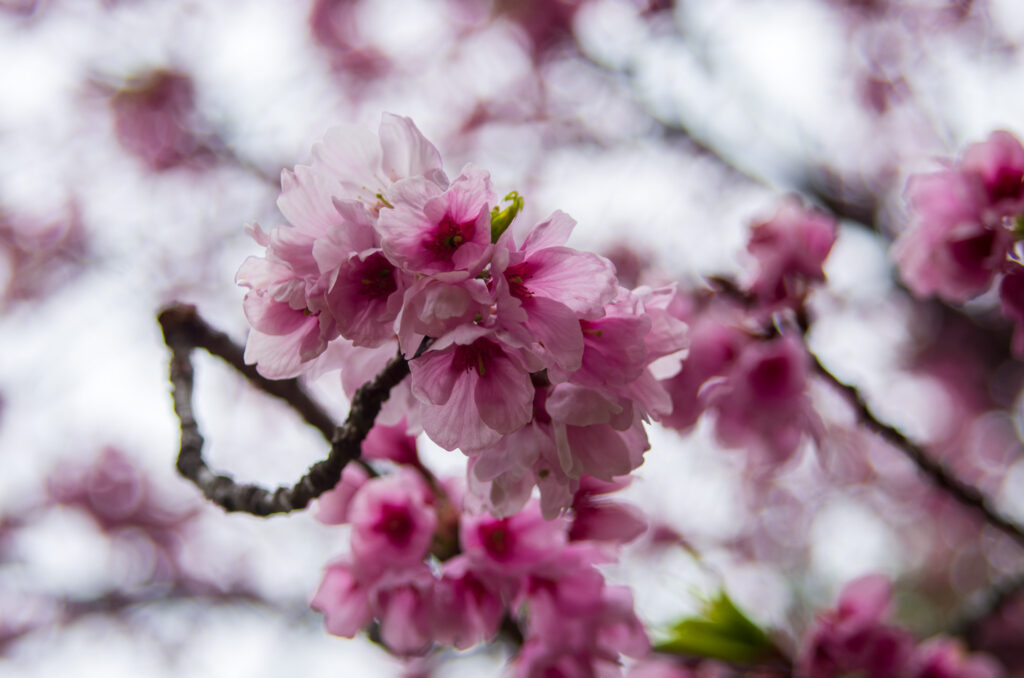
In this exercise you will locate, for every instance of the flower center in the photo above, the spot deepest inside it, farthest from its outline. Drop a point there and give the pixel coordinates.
(497, 539)
(395, 523)
(517, 276)
(377, 280)
(477, 356)
(449, 236)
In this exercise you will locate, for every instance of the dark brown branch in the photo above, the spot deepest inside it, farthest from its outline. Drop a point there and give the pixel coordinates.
(185, 330)
(965, 494)
(994, 601)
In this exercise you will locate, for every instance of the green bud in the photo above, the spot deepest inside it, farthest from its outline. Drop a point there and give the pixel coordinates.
(500, 219)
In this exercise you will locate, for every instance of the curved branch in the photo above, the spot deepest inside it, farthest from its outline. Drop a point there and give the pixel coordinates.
(182, 325)
(965, 494)
(184, 330)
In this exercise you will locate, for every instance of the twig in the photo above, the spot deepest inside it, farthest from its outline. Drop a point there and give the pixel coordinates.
(183, 323)
(184, 330)
(994, 601)
(965, 494)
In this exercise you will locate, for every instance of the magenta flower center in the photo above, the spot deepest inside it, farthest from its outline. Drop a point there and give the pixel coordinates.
(517, 276)
(448, 236)
(396, 523)
(772, 378)
(477, 356)
(1006, 185)
(497, 539)
(377, 279)
(971, 253)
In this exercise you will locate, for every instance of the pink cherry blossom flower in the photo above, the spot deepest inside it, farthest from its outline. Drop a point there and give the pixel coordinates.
(343, 600)
(762, 404)
(436, 305)
(573, 431)
(949, 251)
(401, 599)
(364, 297)
(947, 658)
(472, 392)
(365, 166)
(404, 605)
(715, 344)
(501, 477)
(999, 163)
(323, 229)
(790, 249)
(155, 118)
(594, 434)
(854, 637)
(429, 229)
(286, 334)
(635, 332)
(959, 240)
(467, 609)
(391, 442)
(543, 289)
(615, 351)
(393, 521)
(514, 545)
(333, 506)
(573, 617)
(601, 519)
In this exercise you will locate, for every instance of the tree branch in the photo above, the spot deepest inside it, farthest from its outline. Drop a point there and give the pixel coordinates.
(183, 331)
(182, 325)
(965, 494)
(993, 602)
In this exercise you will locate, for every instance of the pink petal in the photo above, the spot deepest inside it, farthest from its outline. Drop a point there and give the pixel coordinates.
(343, 602)
(405, 151)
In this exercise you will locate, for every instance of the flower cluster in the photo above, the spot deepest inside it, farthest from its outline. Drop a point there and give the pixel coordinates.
(963, 221)
(425, 587)
(790, 249)
(740, 367)
(856, 637)
(525, 354)
(967, 219)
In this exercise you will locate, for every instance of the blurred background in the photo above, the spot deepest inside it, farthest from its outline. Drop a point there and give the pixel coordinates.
(137, 138)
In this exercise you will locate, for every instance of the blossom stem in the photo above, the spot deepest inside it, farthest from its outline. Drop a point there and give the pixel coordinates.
(964, 493)
(183, 331)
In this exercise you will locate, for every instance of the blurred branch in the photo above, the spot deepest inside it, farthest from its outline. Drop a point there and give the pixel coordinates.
(183, 331)
(965, 494)
(117, 602)
(994, 601)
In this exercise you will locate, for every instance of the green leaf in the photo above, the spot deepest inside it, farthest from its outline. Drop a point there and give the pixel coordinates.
(721, 632)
